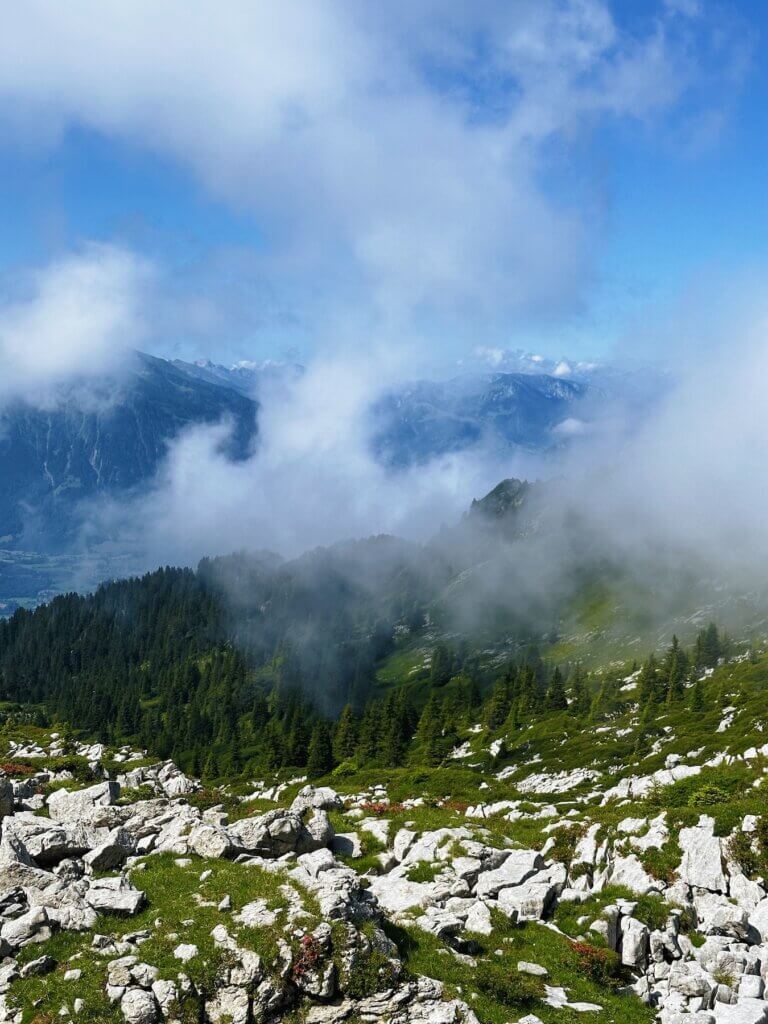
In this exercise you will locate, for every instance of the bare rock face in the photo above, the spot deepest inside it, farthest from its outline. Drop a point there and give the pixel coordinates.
(517, 867)
(702, 863)
(270, 835)
(112, 852)
(80, 804)
(209, 841)
(321, 798)
(106, 897)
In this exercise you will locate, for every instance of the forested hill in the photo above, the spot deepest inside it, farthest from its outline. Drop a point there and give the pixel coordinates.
(246, 648)
(244, 658)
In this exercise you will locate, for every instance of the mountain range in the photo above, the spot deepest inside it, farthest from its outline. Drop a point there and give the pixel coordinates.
(106, 438)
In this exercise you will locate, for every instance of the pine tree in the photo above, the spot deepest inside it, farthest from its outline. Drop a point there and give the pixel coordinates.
(369, 734)
(708, 648)
(442, 663)
(651, 686)
(579, 704)
(556, 699)
(675, 669)
(396, 729)
(698, 702)
(498, 705)
(430, 731)
(320, 757)
(211, 769)
(345, 735)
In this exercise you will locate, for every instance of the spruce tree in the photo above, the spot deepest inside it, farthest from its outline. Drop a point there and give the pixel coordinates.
(698, 702)
(579, 704)
(498, 705)
(345, 735)
(675, 669)
(430, 731)
(556, 699)
(320, 756)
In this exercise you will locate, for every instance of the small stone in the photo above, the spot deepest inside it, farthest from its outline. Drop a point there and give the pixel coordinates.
(185, 951)
(73, 975)
(535, 969)
(42, 965)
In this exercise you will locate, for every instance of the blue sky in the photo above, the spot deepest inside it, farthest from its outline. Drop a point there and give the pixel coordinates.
(550, 193)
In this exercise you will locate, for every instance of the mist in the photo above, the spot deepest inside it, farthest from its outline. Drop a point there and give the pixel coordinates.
(69, 323)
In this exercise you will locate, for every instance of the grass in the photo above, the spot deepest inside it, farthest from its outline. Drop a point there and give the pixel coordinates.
(494, 988)
(180, 909)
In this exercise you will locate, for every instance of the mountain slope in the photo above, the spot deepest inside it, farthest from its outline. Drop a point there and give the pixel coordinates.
(106, 438)
(523, 410)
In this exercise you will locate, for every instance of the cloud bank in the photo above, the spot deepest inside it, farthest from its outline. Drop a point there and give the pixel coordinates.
(410, 161)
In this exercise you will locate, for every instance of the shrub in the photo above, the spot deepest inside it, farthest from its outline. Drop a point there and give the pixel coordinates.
(16, 768)
(308, 958)
(663, 863)
(741, 849)
(652, 911)
(688, 921)
(381, 808)
(371, 972)
(345, 770)
(723, 976)
(204, 799)
(424, 871)
(599, 963)
(708, 795)
(564, 846)
(506, 986)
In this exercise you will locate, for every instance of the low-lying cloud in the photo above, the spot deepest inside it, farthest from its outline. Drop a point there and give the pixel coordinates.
(69, 322)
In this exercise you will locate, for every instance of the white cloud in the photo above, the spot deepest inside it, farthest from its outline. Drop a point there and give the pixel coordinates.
(73, 319)
(354, 131)
(312, 481)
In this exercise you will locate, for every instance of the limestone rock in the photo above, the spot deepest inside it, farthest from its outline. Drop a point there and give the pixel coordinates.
(702, 863)
(139, 1007)
(76, 805)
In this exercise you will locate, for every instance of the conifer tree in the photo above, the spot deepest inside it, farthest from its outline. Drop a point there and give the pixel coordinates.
(651, 686)
(430, 730)
(211, 769)
(556, 699)
(698, 702)
(675, 669)
(498, 705)
(442, 663)
(345, 735)
(579, 704)
(320, 756)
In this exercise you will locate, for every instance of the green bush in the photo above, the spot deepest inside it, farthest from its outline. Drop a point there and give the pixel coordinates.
(598, 963)
(345, 770)
(564, 846)
(663, 863)
(510, 987)
(424, 871)
(651, 910)
(371, 972)
(708, 795)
